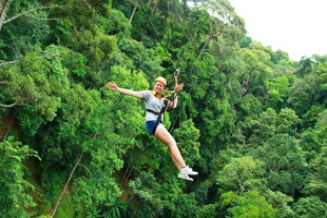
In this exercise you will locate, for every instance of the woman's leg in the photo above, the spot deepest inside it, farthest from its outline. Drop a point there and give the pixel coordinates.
(165, 137)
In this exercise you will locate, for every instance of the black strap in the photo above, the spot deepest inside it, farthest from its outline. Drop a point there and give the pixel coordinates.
(158, 119)
(152, 111)
(163, 109)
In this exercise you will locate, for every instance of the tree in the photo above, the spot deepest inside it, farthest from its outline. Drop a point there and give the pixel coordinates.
(280, 202)
(35, 84)
(249, 204)
(317, 185)
(287, 122)
(285, 163)
(310, 207)
(241, 175)
(301, 95)
(23, 28)
(14, 188)
(277, 90)
(261, 129)
(187, 136)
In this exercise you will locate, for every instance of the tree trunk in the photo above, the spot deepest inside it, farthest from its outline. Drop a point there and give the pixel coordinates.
(154, 7)
(205, 45)
(245, 87)
(133, 13)
(66, 184)
(5, 4)
(8, 124)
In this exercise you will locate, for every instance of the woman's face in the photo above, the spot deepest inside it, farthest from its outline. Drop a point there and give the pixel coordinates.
(159, 87)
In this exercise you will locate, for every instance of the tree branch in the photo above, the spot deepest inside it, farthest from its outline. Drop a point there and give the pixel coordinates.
(154, 7)
(39, 18)
(28, 12)
(9, 105)
(4, 12)
(133, 13)
(2, 63)
(66, 184)
(205, 45)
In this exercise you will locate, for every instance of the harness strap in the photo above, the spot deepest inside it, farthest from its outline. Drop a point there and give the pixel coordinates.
(152, 111)
(158, 119)
(163, 109)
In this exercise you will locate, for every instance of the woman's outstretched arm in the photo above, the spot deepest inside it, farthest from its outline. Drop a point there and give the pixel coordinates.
(114, 87)
(178, 88)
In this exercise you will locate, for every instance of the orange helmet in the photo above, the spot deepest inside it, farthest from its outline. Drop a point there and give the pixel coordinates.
(162, 80)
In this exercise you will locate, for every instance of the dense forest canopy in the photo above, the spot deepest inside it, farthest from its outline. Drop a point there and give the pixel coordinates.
(251, 121)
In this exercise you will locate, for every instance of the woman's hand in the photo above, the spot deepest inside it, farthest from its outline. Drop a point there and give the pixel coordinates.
(179, 87)
(112, 86)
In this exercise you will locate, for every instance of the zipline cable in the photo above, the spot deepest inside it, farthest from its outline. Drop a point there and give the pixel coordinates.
(176, 71)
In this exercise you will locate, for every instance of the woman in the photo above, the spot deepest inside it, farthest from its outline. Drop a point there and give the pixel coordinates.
(154, 102)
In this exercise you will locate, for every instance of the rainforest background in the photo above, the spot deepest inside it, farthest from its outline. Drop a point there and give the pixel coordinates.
(250, 120)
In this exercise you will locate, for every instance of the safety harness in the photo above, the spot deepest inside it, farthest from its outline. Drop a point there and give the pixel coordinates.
(165, 106)
(159, 114)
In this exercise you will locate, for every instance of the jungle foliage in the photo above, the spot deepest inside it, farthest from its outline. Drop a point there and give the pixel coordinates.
(250, 120)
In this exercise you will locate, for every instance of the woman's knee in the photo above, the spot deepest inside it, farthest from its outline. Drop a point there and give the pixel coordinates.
(172, 143)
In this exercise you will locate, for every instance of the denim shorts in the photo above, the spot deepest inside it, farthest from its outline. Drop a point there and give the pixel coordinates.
(151, 126)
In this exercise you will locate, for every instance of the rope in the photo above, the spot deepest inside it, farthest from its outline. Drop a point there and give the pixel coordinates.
(176, 70)
(176, 74)
(156, 34)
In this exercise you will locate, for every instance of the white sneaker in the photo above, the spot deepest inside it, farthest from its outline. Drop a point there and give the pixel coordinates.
(185, 176)
(189, 171)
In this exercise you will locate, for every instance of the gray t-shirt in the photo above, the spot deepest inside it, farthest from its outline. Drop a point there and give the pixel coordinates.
(152, 103)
